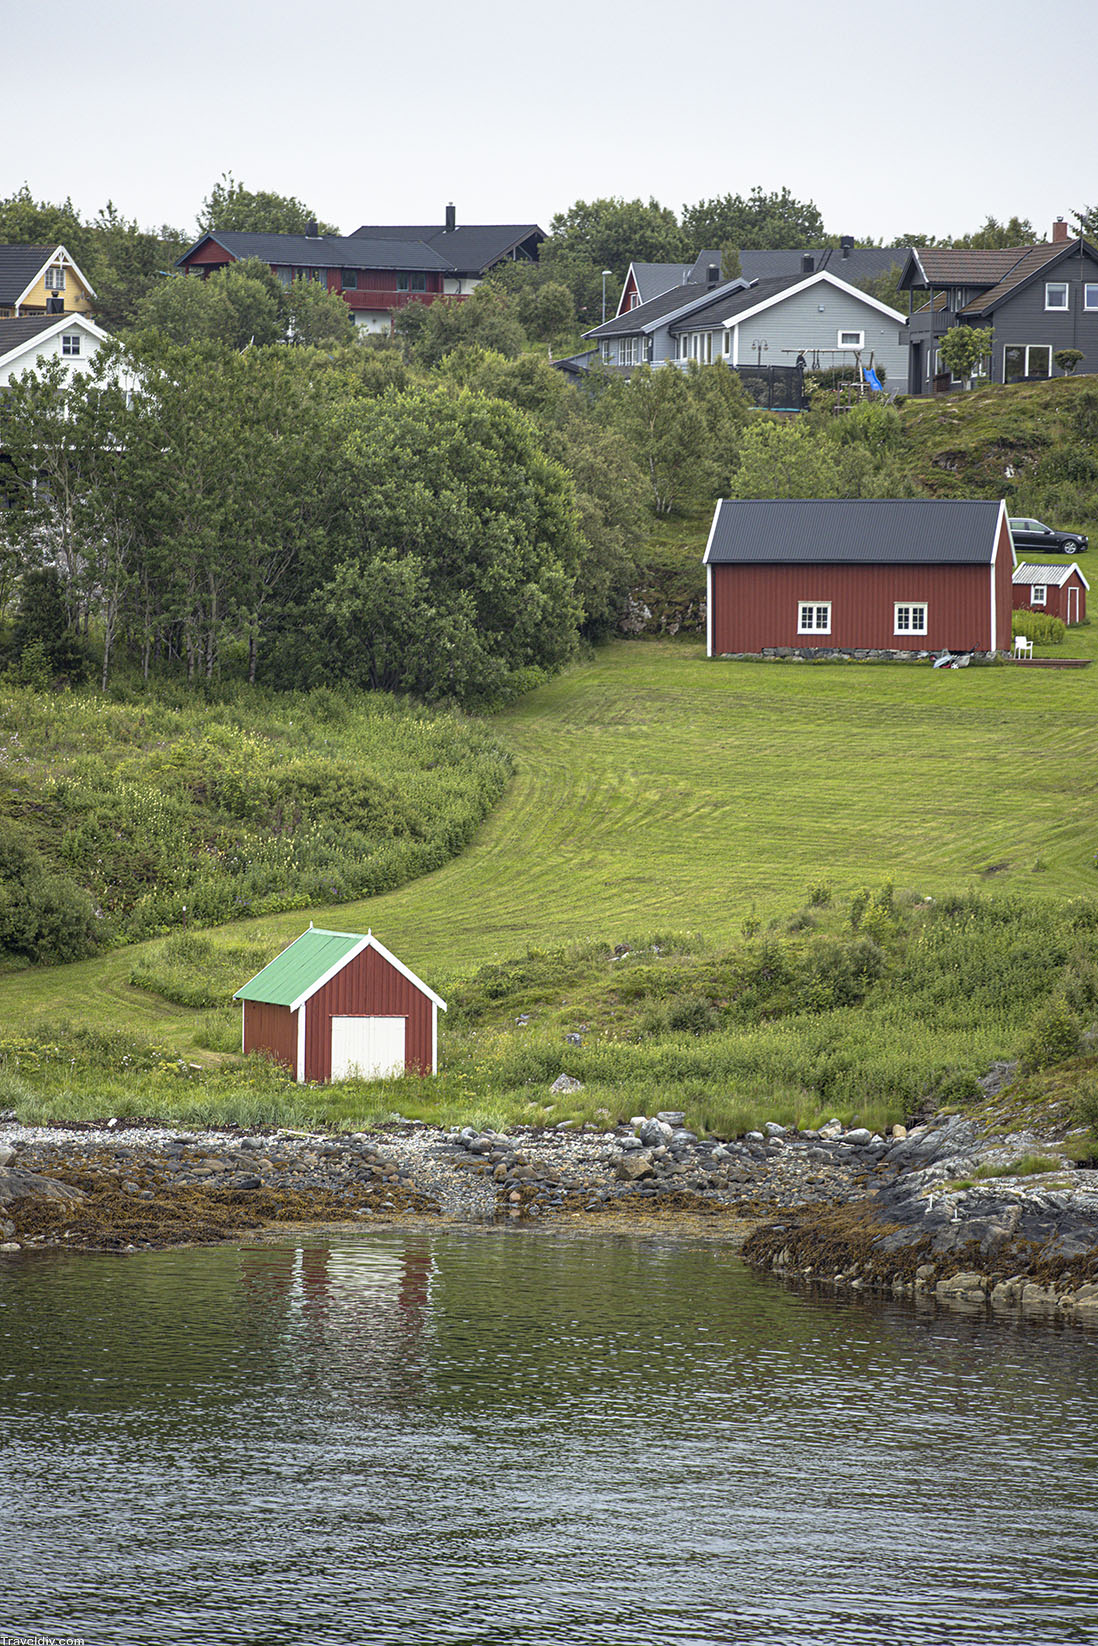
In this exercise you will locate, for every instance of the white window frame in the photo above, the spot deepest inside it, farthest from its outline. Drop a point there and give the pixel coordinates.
(1057, 286)
(55, 278)
(70, 344)
(808, 614)
(1030, 348)
(1038, 594)
(1090, 295)
(915, 621)
(848, 331)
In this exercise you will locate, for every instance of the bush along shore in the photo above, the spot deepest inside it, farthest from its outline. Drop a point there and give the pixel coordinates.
(944, 1211)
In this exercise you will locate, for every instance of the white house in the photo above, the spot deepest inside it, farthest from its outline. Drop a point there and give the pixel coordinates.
(34, 339)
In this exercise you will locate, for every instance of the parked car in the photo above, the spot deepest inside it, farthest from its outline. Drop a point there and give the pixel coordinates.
(1031, 534)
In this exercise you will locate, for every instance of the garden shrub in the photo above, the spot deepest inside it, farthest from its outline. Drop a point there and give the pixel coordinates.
(1053, 1037)
(1040, 627)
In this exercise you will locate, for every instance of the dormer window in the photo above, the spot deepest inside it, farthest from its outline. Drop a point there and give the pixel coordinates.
(1056, 294)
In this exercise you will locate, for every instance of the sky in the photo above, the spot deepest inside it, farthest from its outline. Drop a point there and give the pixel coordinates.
(892, 119)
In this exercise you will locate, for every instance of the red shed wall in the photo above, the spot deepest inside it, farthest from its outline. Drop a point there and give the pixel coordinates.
(756, 606)
(368, 986)
(271, 1029)
(210, 253)
(1056, 599)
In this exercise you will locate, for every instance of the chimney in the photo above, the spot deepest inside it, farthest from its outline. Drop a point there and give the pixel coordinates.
(808, 263)
(312, 229)
(846, 245)
(451, 218)
(1059, 232)
(712, 274)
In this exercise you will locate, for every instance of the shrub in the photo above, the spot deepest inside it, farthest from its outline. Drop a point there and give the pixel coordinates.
(43, 918)
(1040, 627)
(1053, 1037)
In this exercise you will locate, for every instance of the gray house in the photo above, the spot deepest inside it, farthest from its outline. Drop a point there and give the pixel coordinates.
(852, 263)
(750, 322)
(1035, 300)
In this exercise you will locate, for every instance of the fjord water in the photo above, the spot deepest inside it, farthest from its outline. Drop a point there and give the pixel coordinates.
(501, 1436)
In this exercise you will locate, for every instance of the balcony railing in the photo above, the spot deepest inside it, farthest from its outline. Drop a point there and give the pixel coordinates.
(363, 299)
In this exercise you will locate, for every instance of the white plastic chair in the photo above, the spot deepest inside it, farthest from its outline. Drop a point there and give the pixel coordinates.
(1022, 646)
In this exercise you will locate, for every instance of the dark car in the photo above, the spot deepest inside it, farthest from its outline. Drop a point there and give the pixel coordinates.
(1031, 534)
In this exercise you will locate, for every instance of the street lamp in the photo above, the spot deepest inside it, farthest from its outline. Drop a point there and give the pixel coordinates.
(605, 273)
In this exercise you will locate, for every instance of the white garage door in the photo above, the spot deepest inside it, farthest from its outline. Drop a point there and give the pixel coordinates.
(367, 1048)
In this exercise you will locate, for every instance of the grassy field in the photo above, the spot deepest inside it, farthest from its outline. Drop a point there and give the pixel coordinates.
(654, 789)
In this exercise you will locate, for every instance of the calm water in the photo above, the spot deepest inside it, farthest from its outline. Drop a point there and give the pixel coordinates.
(505, 1437)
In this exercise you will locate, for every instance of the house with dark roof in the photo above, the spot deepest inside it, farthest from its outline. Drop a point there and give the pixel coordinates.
(851, 263)
(373, 276)
(1033, 300)
(472, 248)
(30, 341)
(771, 320)
(36, 280)
(377, 269)
(807, 577)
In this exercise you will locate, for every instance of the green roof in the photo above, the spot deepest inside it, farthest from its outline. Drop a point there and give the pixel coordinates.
(300, 968)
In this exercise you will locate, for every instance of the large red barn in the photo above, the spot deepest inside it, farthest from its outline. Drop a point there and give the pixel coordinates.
(878, 575)
(1059, 591)
(336, 1005)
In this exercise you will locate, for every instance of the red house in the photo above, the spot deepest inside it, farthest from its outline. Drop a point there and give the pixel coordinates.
(1061, 591)
(807, 576)
(338, 1006)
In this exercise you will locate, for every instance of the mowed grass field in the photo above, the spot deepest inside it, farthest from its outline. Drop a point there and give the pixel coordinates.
(657, 790)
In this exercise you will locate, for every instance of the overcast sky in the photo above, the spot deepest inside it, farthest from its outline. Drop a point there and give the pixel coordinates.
(891, 119)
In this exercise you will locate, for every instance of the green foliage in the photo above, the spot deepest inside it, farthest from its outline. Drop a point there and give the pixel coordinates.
(315, 317)
(681, 428)
(758, 221)
(232, 208)
(168, 815)
(488, 320)
(1053, 1037)
(1040, 627)
(963, 347)
(609, 234)
(43, 639)
(460, 550)
(1068, 359)
(193, 970)
(43, 918)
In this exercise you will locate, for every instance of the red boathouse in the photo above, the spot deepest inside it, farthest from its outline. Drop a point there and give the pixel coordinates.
(338, 1006)
(837, 575)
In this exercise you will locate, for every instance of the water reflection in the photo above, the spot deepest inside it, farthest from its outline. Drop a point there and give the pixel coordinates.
(501, 1436)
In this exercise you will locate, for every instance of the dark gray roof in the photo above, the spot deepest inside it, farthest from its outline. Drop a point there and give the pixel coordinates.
(13, 333)
(661, 308)
(888, 531)
(654, 278)
(737, 302)
(861, 263)
(331, 251)
(472, 248)
(18, 267)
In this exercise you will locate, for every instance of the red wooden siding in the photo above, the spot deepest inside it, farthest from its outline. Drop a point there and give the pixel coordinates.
(757, 606)
(367, 986)
(1056, 599)
(271, 1029)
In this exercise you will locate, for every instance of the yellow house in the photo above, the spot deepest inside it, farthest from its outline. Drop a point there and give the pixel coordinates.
(41, 280)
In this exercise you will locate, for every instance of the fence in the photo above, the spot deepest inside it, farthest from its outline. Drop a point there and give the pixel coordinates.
(774, 388)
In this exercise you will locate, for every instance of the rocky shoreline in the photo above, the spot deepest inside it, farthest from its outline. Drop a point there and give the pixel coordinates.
(936, 1212)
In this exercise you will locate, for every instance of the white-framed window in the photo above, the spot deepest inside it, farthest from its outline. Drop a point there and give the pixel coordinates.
(814, 617)
(1090, 294)
(851, 340)
(70, 342)
(606, 350)
(1022, 360)
(55, 279)
(1038, 594)
(726, 343)
(909, 617)
(1056, 294)
(628, 351)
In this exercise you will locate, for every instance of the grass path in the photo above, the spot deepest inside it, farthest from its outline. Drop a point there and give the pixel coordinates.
(655, 789)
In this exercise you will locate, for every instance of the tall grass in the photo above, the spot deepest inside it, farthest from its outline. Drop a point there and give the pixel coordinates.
(174, 812)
